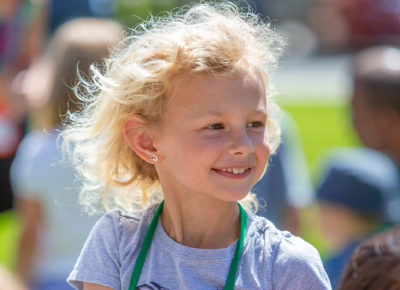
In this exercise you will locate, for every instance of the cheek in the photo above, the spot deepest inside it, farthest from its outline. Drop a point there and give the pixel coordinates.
(194, 148)
(368, 130)
(263, 147)
(264, 142)
(360, 118)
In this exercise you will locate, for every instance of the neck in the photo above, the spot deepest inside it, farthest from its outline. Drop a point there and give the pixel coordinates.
(201, 224)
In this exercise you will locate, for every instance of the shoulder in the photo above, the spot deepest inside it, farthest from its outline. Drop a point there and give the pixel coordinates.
(280, 241)
(123, 223)
(293, 262)
(111, 243)
(30, 145)
(34, 137)
(122, 230)
(34, 146)
(38, 139)
(300, 264)
(294, 250)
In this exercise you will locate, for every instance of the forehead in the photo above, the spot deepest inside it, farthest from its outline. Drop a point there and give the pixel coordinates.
(213, 93)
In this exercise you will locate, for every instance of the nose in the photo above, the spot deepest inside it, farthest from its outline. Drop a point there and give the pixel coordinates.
(241, 143)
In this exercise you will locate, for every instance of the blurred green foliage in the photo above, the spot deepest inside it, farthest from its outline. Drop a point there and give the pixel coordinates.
(130, 13)
(322, 127)
(9, 230)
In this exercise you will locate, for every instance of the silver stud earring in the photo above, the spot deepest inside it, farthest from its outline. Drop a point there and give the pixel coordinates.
(153, 157)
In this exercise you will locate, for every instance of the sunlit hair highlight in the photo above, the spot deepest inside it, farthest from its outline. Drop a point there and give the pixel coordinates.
(217, 39)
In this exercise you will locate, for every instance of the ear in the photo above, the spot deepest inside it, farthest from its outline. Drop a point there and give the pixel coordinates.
(138, 136)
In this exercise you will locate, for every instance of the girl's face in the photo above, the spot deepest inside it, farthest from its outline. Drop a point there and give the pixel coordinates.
(212, 139)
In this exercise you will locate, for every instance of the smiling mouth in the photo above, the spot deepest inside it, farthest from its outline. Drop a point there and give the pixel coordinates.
(234, 172)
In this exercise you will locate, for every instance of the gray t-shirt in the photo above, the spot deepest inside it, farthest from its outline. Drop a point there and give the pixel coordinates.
(271, 259)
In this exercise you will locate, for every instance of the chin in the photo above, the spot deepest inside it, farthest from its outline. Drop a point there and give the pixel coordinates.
(370, 142)
(236, 196)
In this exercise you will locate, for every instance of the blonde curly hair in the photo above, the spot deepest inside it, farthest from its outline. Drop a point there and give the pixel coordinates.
(217, 39)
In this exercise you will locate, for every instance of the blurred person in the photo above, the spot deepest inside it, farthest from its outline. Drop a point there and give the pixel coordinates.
(285, 187)
(375, 104)
(375, 264)
(327, 21)
(343, 25)
(353, 196)
(21, 31)
(53, 225)
(376, 99)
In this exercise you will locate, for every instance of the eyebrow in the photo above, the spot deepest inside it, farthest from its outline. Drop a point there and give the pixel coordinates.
(221, 114)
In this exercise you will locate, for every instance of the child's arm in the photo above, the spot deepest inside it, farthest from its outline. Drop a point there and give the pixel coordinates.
(30, 213)
(91, 286)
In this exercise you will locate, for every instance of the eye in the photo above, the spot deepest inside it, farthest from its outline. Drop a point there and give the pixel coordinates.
(216, 126)
(256, 124)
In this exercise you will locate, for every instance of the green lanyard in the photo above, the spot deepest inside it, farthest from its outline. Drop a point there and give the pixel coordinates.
(230, 281)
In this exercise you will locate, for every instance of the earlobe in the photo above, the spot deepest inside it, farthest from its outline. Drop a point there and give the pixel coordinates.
(140, 139)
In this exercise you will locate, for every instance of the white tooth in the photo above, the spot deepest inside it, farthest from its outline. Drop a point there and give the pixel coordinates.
(235, 170)
(241, 170)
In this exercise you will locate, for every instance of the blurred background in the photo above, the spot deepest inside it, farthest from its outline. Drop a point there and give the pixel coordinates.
(313, 82)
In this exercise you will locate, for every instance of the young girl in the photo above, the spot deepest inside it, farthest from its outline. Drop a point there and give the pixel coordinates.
(183, 114)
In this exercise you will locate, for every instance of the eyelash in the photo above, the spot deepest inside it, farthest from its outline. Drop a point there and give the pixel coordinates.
(221, 126)
(212, 126)
(259, 124)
